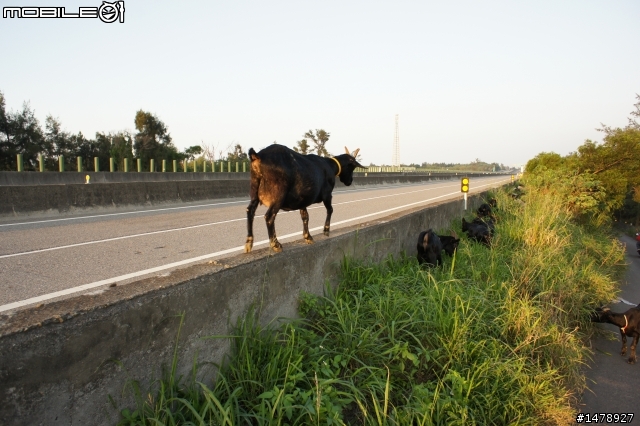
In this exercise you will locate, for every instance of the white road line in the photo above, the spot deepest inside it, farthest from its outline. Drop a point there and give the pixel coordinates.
(24, 253)
(35, 222)
(122, 213)
(100, 283)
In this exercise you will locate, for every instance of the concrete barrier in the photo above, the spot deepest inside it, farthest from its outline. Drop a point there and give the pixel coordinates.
(70, 178)
(60, 362)
(29, 199)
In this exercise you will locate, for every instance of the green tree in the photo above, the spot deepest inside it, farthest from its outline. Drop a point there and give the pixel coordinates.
(319, 139)
(302, 146)
(237, 154)
(549, 160)
(26, 138)
(153, 140)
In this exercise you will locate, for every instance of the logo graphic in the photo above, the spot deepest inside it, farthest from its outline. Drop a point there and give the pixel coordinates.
(108, 12)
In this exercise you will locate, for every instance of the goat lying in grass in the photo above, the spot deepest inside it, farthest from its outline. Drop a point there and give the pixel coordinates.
(629, 324)
(478, 230)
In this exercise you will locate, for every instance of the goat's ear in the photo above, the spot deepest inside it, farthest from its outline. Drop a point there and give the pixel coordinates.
(425, 241)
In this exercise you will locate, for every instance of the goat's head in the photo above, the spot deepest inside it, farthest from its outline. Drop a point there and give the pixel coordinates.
(348, 163)
(600, 314)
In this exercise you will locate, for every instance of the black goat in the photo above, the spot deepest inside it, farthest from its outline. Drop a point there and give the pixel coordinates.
(478, 230)
(429, 248)
(629, 324)
(484, 210)
(449, 243)
(283, 179)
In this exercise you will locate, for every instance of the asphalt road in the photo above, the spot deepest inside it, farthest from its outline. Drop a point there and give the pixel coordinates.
(56, 257)
(613, 383)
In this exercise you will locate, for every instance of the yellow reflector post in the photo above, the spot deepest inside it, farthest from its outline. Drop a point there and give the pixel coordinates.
(464, 184)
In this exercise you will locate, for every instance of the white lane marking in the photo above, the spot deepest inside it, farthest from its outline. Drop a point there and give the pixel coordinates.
(626, 302)
(24, 253)
(120, 214)
(35, 222)
(95, 284)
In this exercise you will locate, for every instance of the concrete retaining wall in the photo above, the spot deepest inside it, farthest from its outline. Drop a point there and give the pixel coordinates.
(21, 200)
(60, 362)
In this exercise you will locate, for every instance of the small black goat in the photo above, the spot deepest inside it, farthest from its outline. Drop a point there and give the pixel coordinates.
(478, 230)
(629, 324)
(449, 243)
(429, 248)
(484, 210)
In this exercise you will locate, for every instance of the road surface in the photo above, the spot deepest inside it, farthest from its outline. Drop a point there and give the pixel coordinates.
(47, 259)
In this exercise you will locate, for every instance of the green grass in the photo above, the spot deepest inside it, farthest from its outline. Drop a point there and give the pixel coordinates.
(496, 336)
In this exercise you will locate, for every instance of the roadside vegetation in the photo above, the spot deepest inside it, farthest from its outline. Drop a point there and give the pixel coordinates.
(495, 336)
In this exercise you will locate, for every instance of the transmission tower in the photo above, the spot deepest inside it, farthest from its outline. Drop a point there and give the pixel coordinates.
(395, 160)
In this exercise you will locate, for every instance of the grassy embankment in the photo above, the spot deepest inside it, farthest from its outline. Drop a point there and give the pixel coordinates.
(496, 336)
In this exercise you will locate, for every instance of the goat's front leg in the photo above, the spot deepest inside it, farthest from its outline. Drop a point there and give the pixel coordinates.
(305, 226)
(327, 222)
(270, 218)
(623, 336)
(632, 355)
(251, 211)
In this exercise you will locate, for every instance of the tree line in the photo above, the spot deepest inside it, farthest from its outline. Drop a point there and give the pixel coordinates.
(601, 181)
(21, 133)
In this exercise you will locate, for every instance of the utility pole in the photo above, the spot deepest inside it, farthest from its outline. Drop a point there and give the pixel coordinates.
(395, 160)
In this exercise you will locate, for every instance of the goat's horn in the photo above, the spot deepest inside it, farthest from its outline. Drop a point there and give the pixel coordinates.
(347, 150)
(355, 153)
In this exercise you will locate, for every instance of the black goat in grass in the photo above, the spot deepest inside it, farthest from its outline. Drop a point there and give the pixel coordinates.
(449, 243)
(478, 230)
(629, 324)
(429, 248)
(486, 209)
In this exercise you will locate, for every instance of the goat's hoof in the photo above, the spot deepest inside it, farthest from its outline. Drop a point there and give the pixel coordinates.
(308, 240)
(277, 247)
(623, 352)
(248, 245)
(326, 232)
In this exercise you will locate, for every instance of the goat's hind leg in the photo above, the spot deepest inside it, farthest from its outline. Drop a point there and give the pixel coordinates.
(270, 218)
(251, 211)
(305, 226)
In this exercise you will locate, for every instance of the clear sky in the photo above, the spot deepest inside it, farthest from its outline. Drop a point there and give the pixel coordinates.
(496, 80)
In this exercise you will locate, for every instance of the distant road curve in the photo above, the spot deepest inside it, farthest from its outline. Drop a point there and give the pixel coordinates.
(48, 259)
